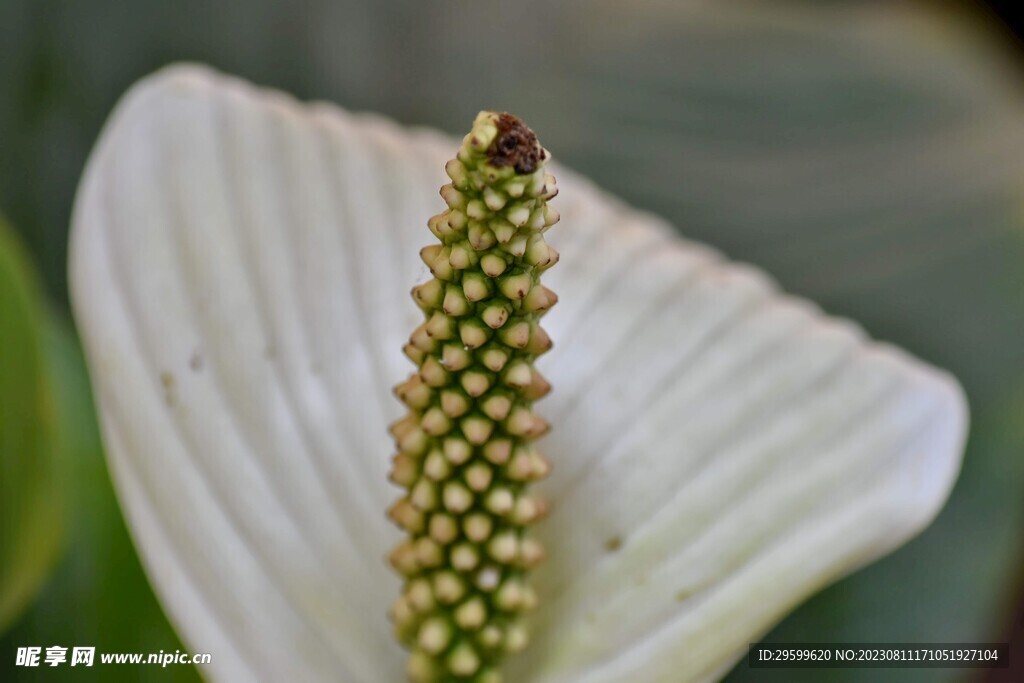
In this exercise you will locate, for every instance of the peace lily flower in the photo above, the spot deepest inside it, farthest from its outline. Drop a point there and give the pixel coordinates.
(240, 269)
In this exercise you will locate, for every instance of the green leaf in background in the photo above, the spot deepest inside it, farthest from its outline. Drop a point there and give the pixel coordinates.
(31, 521)
(97, 594)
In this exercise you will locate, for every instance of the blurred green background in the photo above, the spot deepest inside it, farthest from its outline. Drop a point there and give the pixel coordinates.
(870, 156)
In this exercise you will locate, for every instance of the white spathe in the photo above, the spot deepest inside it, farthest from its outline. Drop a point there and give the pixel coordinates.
(240, 268)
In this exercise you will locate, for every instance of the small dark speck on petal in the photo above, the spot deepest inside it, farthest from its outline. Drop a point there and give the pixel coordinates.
(195, 362)
(167, 380)
(613, 544)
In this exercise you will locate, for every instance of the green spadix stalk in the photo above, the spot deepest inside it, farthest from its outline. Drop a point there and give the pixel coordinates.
(465, 453)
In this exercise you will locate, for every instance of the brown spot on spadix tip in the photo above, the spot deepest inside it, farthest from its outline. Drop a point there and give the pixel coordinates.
(515, 145)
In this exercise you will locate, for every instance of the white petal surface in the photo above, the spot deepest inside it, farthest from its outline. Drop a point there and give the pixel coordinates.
(240, 269)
